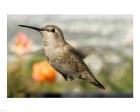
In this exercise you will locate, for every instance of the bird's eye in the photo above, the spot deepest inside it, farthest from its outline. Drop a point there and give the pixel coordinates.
(51, 30)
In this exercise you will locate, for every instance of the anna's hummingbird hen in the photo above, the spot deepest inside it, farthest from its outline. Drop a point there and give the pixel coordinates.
(63, 57)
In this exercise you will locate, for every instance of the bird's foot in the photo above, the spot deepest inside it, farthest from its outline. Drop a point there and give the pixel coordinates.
(71, 78)
(65, 77)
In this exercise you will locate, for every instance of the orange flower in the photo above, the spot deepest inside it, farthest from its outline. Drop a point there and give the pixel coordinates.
(42, 71)
(22, 44)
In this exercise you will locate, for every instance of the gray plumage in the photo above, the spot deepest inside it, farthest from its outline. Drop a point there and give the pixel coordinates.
(63, 57)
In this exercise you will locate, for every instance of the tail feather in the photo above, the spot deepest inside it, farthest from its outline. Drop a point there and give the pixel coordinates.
(98, 84)
(91, 79)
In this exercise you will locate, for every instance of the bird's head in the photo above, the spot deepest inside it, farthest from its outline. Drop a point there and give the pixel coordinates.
(50, 33)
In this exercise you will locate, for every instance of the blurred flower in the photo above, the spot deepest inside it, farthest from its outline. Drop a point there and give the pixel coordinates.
(42, 71)
(22, 44)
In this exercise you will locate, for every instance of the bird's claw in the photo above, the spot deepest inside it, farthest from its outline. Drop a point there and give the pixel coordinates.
(71, 78)
(66, 79)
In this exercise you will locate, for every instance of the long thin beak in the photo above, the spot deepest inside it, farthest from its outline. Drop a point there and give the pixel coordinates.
(31, 27)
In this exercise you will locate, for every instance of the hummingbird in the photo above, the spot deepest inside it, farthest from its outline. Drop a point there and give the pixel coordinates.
(63, 57)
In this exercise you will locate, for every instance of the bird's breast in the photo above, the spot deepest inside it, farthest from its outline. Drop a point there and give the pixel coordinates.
(54, 53)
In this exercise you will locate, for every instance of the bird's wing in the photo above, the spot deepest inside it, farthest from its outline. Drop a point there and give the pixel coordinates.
(74, 51)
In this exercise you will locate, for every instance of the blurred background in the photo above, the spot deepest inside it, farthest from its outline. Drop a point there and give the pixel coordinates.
(106, 40)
